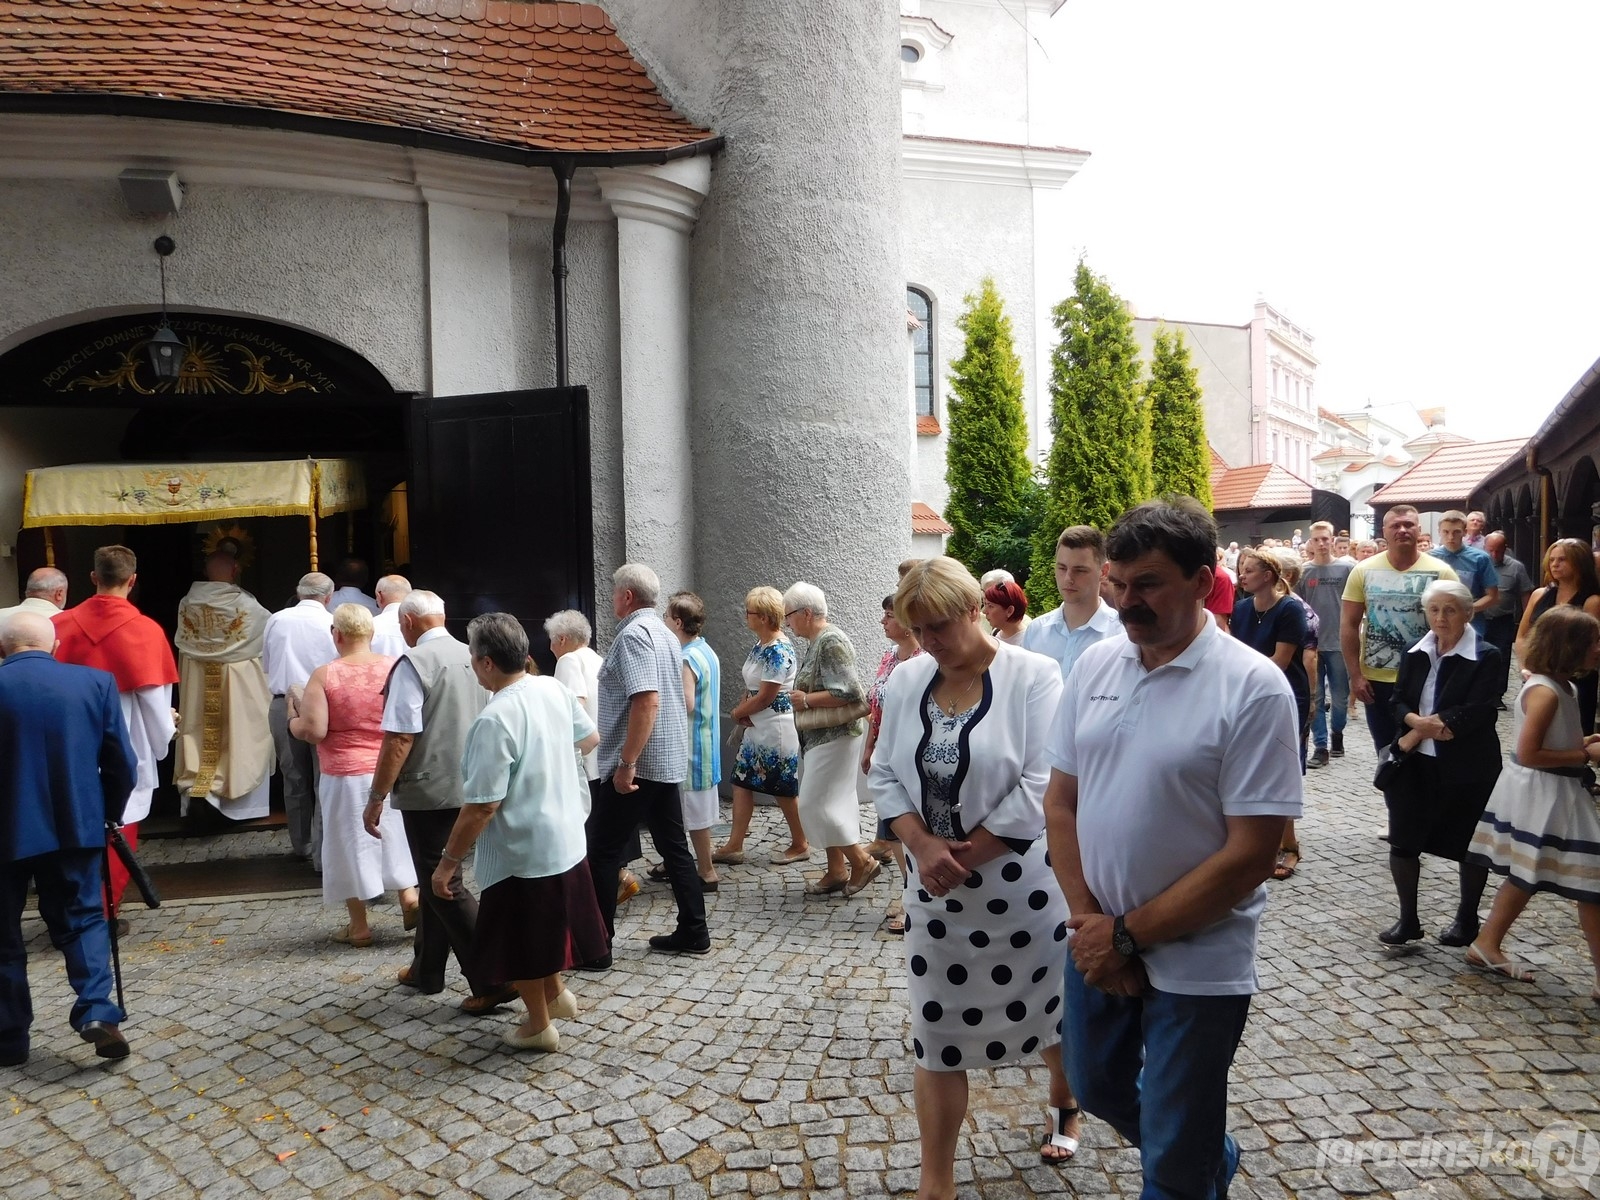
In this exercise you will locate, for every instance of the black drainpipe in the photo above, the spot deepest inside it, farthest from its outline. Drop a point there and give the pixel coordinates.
(564, 169)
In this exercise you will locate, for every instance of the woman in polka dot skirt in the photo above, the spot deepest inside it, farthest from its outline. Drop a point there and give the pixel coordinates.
(960, 773)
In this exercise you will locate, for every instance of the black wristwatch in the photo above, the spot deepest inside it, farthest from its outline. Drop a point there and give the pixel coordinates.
(1122, 941)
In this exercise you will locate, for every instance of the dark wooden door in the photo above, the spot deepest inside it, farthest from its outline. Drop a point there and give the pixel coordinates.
(501, 508)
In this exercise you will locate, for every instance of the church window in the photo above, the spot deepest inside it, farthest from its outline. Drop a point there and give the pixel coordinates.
(920, 305)
(910, 52)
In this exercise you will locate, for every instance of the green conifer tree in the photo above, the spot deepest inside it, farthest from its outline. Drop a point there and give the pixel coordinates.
(992, 503)
(1180, 461)
(1099, 463)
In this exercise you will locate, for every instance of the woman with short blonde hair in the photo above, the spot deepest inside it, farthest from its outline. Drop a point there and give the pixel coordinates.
(340, 713)
(768, 760)
(960, 772)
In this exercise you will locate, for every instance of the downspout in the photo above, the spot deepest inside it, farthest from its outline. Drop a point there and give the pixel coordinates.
(564, 169)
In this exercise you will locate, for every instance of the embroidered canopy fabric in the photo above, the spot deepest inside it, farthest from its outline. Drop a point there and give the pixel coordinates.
(164, 493)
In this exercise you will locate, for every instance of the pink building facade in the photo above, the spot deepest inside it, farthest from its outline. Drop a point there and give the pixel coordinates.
(1283, 408)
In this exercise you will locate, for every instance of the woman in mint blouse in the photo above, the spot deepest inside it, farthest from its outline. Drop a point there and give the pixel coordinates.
(524, 806)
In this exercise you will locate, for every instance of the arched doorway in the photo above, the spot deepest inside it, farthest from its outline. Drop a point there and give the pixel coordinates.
(1578, 499)
(493, 490)
(247, 390)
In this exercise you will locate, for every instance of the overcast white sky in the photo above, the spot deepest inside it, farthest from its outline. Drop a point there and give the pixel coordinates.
(1414, 182)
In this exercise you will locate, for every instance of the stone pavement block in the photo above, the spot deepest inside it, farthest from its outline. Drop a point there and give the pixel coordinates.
(777, 1065)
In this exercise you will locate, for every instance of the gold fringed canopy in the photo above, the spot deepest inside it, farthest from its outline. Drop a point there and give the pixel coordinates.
(165, 493)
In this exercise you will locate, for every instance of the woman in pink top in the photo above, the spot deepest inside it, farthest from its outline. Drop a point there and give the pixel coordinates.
(339, 714)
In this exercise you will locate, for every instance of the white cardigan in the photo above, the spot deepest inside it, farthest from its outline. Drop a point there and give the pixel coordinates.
(1003, 790)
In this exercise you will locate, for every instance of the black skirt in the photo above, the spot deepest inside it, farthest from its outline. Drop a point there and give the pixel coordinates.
(531, 928)
(1426, 817)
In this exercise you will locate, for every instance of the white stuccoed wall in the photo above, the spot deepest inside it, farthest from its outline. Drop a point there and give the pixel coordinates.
(798, 418)
(471, 340)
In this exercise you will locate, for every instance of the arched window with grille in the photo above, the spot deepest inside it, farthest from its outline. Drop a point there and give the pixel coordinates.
(920, 305)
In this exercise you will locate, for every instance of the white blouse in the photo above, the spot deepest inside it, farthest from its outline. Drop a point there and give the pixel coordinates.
(1004, 784)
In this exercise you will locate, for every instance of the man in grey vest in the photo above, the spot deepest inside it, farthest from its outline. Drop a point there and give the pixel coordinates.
(431, 698)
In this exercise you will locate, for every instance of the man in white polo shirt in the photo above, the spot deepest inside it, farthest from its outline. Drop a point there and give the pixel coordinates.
(296, 641)
(1084, 618)
(1177, 760)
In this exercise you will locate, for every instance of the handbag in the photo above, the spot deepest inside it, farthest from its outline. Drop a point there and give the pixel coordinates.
(809, 720)
(1391, 765)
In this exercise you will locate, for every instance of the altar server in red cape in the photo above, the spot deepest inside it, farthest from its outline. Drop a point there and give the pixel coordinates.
(108, 632)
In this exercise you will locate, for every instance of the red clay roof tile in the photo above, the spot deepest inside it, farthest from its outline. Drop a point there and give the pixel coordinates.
(1264, 485)
(925, 520)
(1450, 474)
(542, 77)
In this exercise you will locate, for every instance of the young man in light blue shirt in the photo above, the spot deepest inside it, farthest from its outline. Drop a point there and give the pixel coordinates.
(1083, 618)
(1474, 567)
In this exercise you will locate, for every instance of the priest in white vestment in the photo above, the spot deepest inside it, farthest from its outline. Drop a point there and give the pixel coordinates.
(225, 749)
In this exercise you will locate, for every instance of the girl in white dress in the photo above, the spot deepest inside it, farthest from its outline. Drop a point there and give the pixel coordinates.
(1540, 829)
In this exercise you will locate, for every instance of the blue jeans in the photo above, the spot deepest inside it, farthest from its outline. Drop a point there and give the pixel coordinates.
(1174, 1051)
(1332, 687)
(1380, 715)
(73, 908)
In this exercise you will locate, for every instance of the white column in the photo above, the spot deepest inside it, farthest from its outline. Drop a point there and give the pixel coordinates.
(472, 347)
(656, 210)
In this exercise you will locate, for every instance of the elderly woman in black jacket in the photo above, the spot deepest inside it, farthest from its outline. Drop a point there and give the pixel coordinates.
(1449, 751)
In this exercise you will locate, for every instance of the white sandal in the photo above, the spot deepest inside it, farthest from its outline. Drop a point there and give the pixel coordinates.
(1058, 1136)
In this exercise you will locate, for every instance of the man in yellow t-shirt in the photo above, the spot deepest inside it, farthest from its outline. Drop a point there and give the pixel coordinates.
(1385, 591)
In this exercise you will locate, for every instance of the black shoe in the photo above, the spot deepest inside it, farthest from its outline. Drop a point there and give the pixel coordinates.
(676, 943)
(1337, 749)
(602, 963)
(1319, 758)
(13, 1058)
(1400, 933)
(1460, 933)
(107, 1038)
(122, 928)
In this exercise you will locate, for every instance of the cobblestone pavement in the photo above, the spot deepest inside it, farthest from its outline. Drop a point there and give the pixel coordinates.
(269, 1061)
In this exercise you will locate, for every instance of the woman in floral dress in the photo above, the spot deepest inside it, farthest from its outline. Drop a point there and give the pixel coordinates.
(769, 756)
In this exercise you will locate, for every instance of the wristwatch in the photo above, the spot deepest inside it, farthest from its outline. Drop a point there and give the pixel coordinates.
(1122, 941)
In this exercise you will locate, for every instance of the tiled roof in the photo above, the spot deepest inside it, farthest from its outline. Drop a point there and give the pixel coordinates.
(452, 74)
(1327, 414)
(1218, 463)
(1450, 474)
(925, 520)
(1265, 485)
(927, 426)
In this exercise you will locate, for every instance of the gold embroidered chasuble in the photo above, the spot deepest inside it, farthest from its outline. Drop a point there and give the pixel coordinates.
(225, 750)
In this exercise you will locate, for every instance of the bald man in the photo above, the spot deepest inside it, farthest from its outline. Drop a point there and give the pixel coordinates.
(386, 636)
(66, 768)
(46, 594)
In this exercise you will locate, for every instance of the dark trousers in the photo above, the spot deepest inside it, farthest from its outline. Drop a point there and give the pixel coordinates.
(297, 763)
(1380, 715)
(1500, 632)
(445, 925)
(614, 822)
(73, 907)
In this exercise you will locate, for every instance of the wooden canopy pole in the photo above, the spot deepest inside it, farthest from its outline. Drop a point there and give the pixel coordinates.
(49, 548)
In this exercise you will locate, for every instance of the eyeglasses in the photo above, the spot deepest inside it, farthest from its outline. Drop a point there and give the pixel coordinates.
(790, 614)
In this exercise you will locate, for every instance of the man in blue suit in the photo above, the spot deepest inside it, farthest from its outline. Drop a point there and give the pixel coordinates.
(66, 767)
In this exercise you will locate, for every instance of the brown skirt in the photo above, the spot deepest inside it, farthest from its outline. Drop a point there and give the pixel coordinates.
(531, 928)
